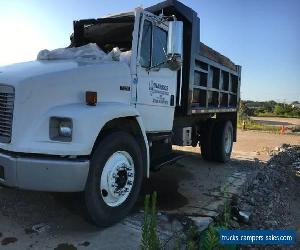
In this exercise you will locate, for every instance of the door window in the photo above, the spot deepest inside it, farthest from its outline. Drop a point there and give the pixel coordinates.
(146, 45)
(154, 46)
(159, 51)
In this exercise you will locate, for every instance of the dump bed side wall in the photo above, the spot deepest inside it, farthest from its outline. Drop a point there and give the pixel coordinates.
(208, 86)
(216, 88)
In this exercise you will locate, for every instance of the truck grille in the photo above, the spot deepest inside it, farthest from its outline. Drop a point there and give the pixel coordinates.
(7, 96)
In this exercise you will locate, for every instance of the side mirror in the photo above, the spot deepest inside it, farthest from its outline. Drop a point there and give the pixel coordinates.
(175, 45)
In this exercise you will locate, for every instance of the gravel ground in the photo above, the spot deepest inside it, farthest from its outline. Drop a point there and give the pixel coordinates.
(272, 196)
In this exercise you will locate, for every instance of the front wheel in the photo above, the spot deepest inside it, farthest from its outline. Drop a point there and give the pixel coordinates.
(114, 180)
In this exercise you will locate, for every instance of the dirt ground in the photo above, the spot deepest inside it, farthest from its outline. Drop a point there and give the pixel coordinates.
(189, 188)
(260, 144)
(255, 144)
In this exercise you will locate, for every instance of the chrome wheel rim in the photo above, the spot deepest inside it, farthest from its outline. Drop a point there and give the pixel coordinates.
(117, 178)
(228, 140)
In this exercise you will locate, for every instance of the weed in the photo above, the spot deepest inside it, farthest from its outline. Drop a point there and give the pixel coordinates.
(150, 240)
(210, 239)
(192, 238)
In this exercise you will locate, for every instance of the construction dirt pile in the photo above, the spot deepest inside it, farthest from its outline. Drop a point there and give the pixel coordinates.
(271, 200)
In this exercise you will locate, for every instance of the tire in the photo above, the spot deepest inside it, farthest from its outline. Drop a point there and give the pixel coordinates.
(206, 135)
(116, 170)
(222, 141)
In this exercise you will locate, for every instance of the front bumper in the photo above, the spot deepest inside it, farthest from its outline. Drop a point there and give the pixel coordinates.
(42, 173)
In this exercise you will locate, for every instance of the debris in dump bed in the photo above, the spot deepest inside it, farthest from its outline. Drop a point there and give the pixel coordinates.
(90, 51)
(265, 197)
(216, 56)
(40, 228)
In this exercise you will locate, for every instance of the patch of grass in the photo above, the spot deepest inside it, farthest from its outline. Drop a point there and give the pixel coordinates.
(210, 239)
(296, 129)
(192, 238)
(150, 240)
(253, 125)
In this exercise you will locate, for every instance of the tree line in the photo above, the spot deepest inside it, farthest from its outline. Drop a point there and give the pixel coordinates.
(269, 108)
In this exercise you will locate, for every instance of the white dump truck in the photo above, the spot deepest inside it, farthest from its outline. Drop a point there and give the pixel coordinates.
(97, 116)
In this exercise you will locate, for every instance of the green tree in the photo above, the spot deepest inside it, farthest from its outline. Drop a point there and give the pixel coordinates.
(279, 109)
(244, 110)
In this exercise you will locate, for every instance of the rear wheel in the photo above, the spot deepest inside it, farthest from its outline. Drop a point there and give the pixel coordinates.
(222, 141)
(206, 142)
(114, 180)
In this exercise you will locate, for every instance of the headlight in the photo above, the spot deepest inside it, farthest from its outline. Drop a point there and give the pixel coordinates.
(64, 130)
(61, 129)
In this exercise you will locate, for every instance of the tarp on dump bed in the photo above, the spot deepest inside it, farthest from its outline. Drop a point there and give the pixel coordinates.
(213, 55)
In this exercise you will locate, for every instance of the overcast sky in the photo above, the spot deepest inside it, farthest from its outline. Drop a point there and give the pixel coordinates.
(261, 35)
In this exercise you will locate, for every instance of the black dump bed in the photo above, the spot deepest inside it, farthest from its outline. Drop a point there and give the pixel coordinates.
(215, 56)
(210, 81)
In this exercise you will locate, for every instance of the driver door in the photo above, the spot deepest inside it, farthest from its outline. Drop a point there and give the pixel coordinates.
(156, 88)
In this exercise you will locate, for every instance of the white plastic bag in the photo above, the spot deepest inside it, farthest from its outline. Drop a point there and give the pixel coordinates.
(90, 51)
(125, 57)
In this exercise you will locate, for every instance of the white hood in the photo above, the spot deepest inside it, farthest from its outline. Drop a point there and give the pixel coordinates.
(42, 87)
(60, 60)
(12, 74)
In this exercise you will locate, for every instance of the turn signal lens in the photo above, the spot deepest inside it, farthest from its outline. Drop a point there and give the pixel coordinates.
(91, 98)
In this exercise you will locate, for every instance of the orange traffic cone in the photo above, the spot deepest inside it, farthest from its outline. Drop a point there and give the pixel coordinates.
(282, 130)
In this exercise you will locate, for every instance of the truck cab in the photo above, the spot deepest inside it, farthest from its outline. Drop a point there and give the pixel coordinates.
(146, 38)
(97, 116)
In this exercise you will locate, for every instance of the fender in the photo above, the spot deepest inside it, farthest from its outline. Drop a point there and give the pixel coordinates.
(87, 124)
